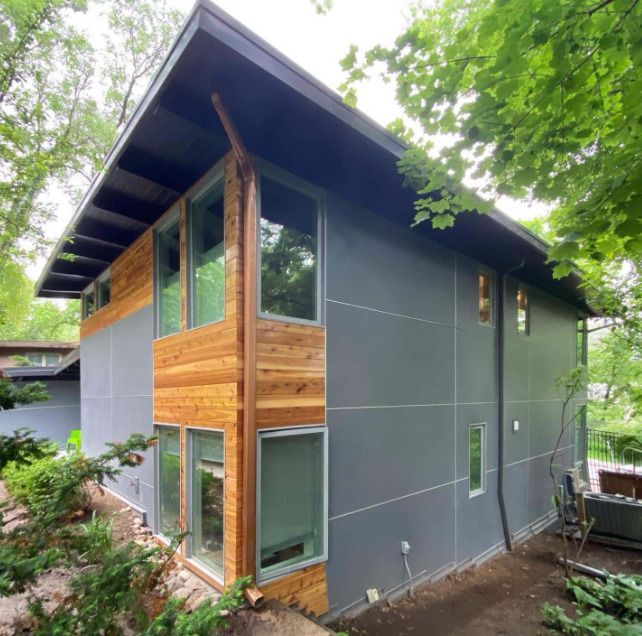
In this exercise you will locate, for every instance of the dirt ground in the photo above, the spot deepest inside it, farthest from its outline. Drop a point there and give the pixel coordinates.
(501, 597)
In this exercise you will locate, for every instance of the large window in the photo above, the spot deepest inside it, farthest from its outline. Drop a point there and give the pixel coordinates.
(207, 498)
(168, 279)
(292, 507)
(169, 480)
(523, 311)
(289, 252)
(207, 257)
(485, 285)
(476, 459)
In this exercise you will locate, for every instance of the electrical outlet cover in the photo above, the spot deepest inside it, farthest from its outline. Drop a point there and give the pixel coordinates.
(372, 594)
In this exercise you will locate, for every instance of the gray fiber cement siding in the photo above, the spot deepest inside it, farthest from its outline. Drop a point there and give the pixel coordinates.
(409, 369)
(52, 419)
(116, 397)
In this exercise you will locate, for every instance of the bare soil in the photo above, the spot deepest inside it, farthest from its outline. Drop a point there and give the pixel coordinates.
(502, 597)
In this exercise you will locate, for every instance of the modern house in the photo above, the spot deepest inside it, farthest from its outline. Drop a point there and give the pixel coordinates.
(57, 366)
(326, 382)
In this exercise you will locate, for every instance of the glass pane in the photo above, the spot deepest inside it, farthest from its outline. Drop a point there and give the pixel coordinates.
(581, 345)
(51, 359)
(89, 304)
(104, 289)
(484, 299)
(169, 478)
(35, 359)
(291, 500)
(475, 458)
(522, 311)
(208, 257)
(207, 498)
(288, 252)
(169, 280)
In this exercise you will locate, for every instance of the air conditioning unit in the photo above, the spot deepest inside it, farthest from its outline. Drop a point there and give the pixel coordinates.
(614, 516)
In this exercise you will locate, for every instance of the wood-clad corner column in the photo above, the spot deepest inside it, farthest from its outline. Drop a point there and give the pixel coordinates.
(248, 470)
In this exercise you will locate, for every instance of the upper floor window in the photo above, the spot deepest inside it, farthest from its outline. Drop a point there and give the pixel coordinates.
(168, 279)
(485, 285)
(89, 301)
(523, 311)
(207, 257)
(103, 292)
(289, 255)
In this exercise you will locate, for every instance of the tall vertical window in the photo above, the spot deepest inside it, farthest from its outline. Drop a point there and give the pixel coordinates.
(580, 435)
(207, 257)
(476, 459)
(169, 480)
(103, 292)
(485, 299)
(289, 252)
(207, 498)
(168, 279)
(523, 311)
(291, 500)
(582, 351)
(89, 301)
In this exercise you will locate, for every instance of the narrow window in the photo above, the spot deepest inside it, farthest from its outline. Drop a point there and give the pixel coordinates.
(169, 480)
(207, 251)
(291, 500)
(207, 498)
(476, 459)
(168, 282)
(88, 302)
(485, 300)
(51, 359)
(580, 435)
(289, 252)
(34, 359)
(103, 289)
(523, 311)
(581, 352)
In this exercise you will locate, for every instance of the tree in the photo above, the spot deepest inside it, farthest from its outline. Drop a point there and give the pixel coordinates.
(11, 394)
(533, 99)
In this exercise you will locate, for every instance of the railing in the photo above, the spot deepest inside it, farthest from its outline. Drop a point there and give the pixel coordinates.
(610, 451)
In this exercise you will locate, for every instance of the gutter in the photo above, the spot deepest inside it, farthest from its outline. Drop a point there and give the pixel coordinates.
(500, 403)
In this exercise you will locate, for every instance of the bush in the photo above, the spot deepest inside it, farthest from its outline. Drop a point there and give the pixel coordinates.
(22, 448)
(31, 485)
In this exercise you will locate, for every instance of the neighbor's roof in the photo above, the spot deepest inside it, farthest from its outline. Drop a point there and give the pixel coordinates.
(36, 344)
(284, 115)
(67, 369)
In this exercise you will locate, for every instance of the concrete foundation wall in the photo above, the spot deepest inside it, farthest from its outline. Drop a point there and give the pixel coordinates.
(116, 390)
(52, 419)
(409, 369)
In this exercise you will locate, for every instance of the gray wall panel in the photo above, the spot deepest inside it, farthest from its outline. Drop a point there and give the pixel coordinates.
(517, 368)
(95, 366)
(516, 442)
(132, 354)
(407, 443)
(476, 366)
(408, 361)
(365, 548)
(374, 263)
(516, 496)
(95, 424)
(545, 427)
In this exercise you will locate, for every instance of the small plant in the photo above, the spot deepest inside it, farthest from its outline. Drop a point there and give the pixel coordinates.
(22, 448)
(204, 620)
(609, 608)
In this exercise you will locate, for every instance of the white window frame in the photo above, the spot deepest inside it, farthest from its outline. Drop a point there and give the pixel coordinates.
(294, 183)
(219, 577)
(491, 289)
(290, 431)
(157, 426)
(212, 179)
(478, 491)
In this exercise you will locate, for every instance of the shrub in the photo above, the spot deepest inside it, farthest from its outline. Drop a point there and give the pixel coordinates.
(21, 448)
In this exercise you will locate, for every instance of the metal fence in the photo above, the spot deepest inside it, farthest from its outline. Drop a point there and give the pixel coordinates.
(610, 451)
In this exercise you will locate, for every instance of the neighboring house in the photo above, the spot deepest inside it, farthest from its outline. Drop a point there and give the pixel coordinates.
(57, 365)
(325, 381)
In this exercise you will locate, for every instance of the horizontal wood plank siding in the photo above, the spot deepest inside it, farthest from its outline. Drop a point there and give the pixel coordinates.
(307, 588)
(290, 375)
(131, 286)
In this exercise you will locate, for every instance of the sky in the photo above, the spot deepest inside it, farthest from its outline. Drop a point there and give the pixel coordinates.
(317, 43)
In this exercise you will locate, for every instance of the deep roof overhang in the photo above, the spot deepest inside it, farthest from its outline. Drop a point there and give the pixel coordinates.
(67, 369)
(285, 116)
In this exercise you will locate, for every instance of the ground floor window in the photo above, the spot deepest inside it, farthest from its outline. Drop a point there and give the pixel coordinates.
(292, 500)
(169, 480)
(476, 459)
(206, 498)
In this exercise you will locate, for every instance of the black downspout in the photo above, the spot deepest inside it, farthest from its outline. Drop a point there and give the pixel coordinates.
(500, 404)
